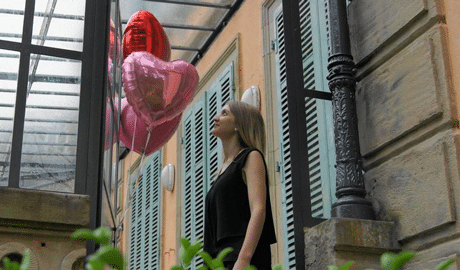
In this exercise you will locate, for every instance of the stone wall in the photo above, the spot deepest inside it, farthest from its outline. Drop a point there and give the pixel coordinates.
(43, 222)
(406, 115)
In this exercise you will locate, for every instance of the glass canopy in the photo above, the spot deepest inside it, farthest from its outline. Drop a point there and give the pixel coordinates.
(190, 25)
(52, 95)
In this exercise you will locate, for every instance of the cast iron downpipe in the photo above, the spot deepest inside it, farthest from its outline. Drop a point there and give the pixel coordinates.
(350, 192)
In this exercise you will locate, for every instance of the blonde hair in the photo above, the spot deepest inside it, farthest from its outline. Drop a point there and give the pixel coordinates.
(250, 125)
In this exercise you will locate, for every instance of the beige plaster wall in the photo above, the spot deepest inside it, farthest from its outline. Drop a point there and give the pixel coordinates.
(169, 238)
(247, 23)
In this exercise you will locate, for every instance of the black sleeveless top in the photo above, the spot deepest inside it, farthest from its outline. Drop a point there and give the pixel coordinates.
(227, 211)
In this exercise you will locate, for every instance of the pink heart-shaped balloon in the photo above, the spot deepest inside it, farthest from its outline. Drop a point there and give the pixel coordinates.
(158, 90)
(133, 126)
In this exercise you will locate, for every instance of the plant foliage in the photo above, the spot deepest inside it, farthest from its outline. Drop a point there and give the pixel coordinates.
(108, 255)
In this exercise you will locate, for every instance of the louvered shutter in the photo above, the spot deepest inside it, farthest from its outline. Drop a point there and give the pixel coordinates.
(283, 123)
(320, 138)
(145, 217)
(194, 158)
(318, 119)
(151, 209)
(221, 91)
(202, 153)
(136, 224)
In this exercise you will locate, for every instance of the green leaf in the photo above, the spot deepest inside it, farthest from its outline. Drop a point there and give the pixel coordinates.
(10, 265)
(347, 266)
(94, 265)
(85, 234)
(188, 251)
(222, 255)
(25, 260)
(277, 267)
(111, 256)
(206, 258)
(251, 268)
(446, 264)
(185, 242)
(177, 268)
(392, 261)
(203, 268)
(216, 263)
(103, 235)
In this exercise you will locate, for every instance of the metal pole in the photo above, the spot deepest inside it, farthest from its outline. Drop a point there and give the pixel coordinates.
(350, 192)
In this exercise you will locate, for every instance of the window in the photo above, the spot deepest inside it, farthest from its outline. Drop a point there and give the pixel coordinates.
(144, 249)
(202, 153)
(318, 115)
(41, 45)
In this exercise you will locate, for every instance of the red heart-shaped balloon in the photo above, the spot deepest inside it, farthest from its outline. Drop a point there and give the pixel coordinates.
(133, 126)
(158, 90)
(144, 33)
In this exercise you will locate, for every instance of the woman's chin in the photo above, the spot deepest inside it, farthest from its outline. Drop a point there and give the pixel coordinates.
(214, 133)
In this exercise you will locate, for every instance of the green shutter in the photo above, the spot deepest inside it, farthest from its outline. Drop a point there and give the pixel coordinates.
(283, 121)
(221, 91)
(320, 137)
(318, 114)
(202, 154)
(151, 212)
(194, 158)
(135, 234)
(146, 217)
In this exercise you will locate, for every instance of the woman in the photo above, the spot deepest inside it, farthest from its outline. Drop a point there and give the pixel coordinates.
(238, 211)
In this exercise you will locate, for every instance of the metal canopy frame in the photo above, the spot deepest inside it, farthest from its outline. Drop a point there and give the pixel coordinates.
(214, 30)
(30, 50)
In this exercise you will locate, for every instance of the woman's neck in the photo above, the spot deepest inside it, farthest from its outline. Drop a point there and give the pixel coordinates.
(231, 149)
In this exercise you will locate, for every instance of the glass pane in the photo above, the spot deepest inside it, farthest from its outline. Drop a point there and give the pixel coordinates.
(51, 124)
(12, 20)
(113, 92)
(8, 85)
(59, 24)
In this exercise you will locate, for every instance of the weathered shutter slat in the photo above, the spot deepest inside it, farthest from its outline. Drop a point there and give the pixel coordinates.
(145, 216)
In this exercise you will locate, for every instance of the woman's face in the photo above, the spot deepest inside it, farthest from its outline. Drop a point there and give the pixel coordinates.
(224, 123)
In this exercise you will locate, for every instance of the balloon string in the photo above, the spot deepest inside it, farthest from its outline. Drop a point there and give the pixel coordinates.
(130, 191)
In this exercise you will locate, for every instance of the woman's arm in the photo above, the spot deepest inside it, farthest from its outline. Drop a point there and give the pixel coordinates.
(254, 176)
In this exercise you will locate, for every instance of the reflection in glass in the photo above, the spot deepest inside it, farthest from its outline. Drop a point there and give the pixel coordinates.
(113, 101)
(51, 124)
(12, 20)
(59, 24)
(8, 85)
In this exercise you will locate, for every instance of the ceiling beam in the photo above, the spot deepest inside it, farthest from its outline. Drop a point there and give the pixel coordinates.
(192, 3)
